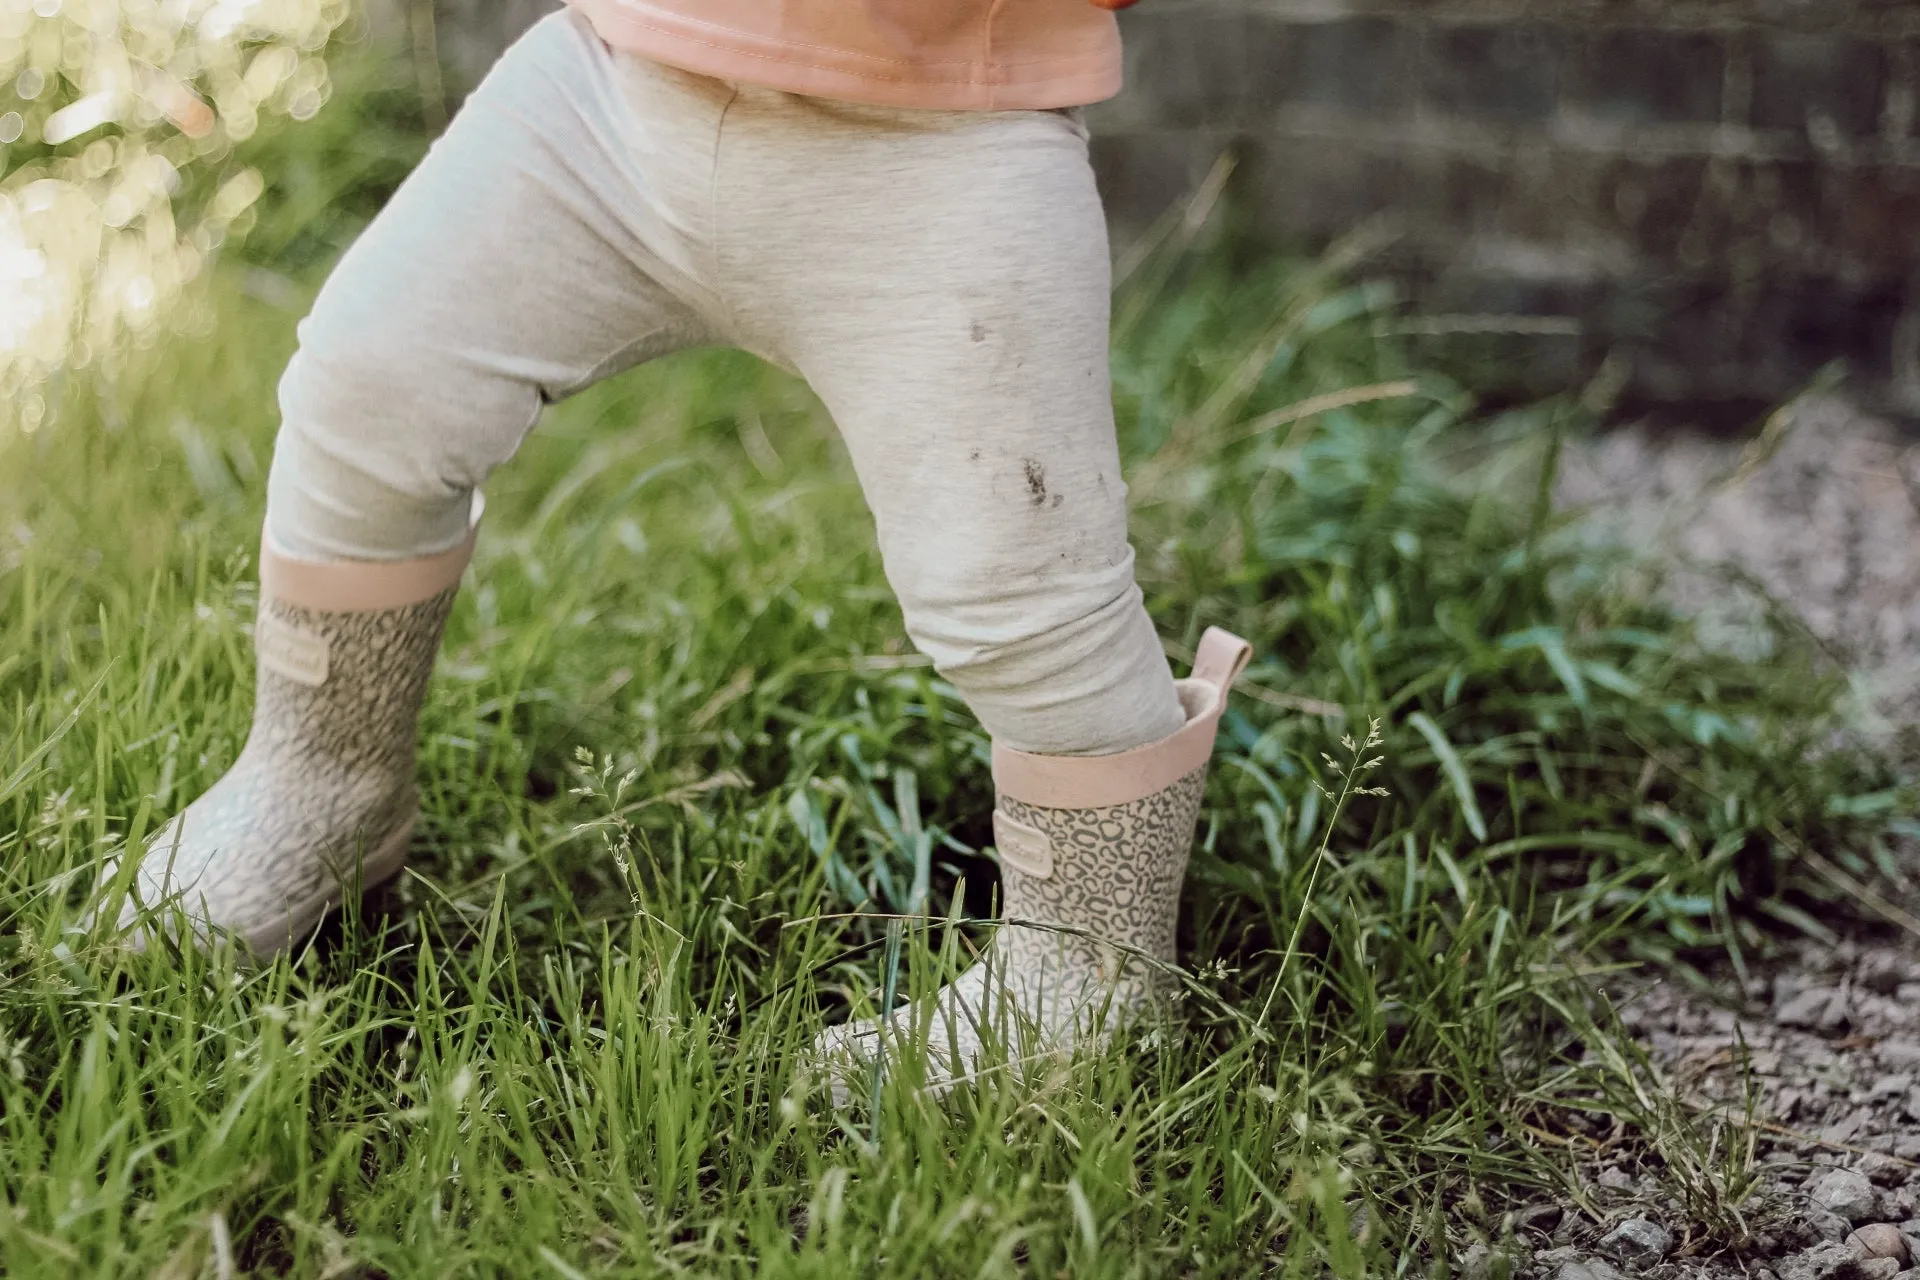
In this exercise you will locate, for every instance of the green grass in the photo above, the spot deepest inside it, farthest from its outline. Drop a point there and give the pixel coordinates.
(688, 790)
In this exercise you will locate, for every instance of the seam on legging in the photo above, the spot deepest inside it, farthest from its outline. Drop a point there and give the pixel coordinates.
(720, 290)
(615, 360)
(546, 395)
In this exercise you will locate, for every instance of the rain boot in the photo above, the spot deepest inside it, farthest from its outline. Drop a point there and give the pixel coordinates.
(1093, 852)
(322, 800)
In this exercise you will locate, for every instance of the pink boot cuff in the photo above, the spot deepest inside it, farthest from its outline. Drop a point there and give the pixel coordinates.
(355, 586)
(1100, 782)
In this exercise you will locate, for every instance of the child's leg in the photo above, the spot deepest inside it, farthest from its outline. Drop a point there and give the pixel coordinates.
(942, 281)
(548, 239)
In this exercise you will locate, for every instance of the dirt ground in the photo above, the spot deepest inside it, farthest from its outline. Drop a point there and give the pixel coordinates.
(1823, 512)
(1819, 1055)
(1821, 1047)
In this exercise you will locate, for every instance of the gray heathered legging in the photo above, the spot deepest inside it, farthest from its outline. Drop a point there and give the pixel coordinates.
(940, 278)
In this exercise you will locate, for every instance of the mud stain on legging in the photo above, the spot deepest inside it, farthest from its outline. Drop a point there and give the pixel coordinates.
(1036, 481)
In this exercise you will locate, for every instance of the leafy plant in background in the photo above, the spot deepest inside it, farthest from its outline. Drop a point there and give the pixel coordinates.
(119, 174)
(1400, 558)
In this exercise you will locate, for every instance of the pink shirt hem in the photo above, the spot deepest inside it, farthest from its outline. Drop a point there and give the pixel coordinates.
(825, 68)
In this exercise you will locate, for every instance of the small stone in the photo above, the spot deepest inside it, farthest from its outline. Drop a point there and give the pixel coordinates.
(1845, 1127)
(1883, 970)
(1481, 1263)
(1882, 1171)
(1828, 1226)
(1845, 1193)
(1880, 1240)
(1638, 1241)
(1880, 1014)
(1614, 1178)
(1814, 1008)
(1537, 1217)
(1876, 1269)
(1826, 1261)
(1587, 1269)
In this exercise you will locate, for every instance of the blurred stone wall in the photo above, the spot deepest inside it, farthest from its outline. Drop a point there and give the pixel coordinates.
(471, 33)
(1724, 193)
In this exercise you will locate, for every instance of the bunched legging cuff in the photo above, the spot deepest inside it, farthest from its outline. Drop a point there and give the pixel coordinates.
(939, 277)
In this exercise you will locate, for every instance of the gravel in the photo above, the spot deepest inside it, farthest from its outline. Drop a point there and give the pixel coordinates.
(1587, 1269)
(1824, 1204)
(1820, 1042)
(1827, 1261)
(1827, 521)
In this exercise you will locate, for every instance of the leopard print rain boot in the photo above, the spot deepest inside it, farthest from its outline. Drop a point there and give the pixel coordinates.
(322, 797)
(1093, 851)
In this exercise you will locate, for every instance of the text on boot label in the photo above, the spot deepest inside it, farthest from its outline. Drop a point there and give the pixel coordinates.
(293, 652)
(1026, 849)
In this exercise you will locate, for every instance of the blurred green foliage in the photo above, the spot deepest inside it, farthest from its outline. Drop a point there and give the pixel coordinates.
(141, 138)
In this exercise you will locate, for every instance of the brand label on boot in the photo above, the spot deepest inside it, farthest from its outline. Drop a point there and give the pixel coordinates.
(1026, 849)
(294, 652)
